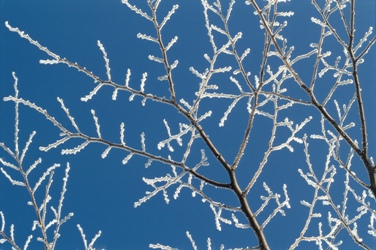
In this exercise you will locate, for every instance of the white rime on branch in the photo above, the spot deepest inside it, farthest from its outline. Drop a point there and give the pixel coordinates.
(46, 226)
(252, 114)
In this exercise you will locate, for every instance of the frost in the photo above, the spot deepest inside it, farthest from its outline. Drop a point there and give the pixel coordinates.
(75, 150)
(97, 126)
(105, 153)
(273, 113)
(171, 43)
(107, 61)
(146, 37)
(126, 159)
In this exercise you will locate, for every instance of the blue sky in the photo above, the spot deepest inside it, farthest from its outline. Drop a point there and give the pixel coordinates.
(102, 192)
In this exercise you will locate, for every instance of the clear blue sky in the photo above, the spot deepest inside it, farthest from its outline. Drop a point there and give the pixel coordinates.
(101, 192)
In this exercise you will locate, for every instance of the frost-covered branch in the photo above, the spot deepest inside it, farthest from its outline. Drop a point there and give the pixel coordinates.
(20, 175)
(350, 53)
(322, 194)
(236, 121)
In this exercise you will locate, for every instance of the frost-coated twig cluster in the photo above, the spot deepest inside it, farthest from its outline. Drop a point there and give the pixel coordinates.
(49, 218)
(268, 98)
